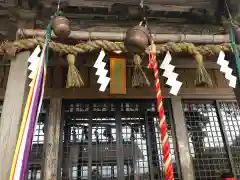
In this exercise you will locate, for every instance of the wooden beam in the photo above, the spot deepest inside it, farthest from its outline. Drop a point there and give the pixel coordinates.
(185, 158)
(141, 93)
(96, 3)
(179, 63)
(156, 27)
(120, 36)
(14, 101)
(133, 93)
(52, 140)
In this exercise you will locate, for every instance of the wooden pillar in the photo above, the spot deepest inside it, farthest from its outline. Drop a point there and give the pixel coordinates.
(52, 140)
(14, 101)
(185, 158)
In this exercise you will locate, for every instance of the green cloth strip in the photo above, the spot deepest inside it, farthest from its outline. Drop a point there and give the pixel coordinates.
(48, 35)
(234, 48)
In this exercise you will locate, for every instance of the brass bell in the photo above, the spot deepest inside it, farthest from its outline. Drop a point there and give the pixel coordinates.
(137, 39)
(61, 27)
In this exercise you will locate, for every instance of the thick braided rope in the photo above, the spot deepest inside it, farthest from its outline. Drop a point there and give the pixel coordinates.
(167, 160)
(25, 44)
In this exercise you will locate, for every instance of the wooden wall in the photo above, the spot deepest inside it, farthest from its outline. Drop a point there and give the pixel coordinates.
(57, 75)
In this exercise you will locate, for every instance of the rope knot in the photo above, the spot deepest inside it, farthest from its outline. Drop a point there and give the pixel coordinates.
(152, 56)
(137, 60)
(151, 60)
(71, 59)
(74, 78)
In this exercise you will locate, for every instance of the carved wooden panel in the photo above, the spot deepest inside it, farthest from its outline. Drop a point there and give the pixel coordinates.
(213, 77)
(221, 81)
(188, 77)
(182, 77)
(85, 75)
(93, 78)
(57, 76)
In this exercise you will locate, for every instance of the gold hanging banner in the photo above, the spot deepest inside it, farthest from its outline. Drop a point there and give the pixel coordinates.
(118, 76)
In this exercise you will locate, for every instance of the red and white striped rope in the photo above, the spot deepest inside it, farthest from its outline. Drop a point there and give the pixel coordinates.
(167, 159)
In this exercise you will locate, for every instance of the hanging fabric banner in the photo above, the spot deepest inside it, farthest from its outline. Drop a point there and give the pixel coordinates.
(235, 62)
(20, 161)
(118, 76)
(232, 39)
(31, 111)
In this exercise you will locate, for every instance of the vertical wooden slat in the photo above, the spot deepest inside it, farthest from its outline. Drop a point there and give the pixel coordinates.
(221, 81)
(6, 74)
(90, 151)
(163, 81)
(57, 80)
(129, 77)
(49, 77)
(150, 75)
(93, 78)
(84, 74)
(213, 77)
(190, 75)
(181, 77)
(2, 76)
(11, 118)
(185, 158)
(119, 141)
(52, 140)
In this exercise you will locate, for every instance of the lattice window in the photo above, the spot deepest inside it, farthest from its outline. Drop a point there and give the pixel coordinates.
(205, 139)
(36, 154)
(34, 172)
(230, 114)
(158, 160)
(103, 140)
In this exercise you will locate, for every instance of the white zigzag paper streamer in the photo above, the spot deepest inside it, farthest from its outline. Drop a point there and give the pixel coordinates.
(170, 75)
(103, 80)
(33, 60)
(226, 70)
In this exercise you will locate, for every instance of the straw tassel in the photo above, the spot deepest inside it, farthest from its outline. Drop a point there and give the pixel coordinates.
(74, 78)
(139, 77)
(203, 78)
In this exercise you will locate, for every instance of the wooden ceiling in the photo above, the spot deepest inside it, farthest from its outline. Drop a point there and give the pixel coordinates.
(164, 16)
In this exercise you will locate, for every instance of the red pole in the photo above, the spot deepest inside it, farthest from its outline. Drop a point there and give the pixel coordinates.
(167, 159)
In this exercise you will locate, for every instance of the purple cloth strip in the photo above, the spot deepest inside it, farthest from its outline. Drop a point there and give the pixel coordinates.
(33, 115)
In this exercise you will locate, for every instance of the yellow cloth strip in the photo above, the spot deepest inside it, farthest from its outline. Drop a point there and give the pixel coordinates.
(23, 125)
